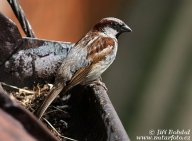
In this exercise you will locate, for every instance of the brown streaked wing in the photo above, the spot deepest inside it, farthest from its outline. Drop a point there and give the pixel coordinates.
(79, 77)
(101, 47)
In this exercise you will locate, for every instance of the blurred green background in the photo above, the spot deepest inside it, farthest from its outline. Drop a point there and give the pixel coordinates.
(150, 83)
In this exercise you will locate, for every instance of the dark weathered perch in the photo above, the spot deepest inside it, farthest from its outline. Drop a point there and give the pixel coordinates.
(93, 117)
(35, 61)
(24, 61)
(9, 36)
(115, 130)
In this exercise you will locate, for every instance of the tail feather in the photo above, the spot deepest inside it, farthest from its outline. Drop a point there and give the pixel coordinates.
(49, 99)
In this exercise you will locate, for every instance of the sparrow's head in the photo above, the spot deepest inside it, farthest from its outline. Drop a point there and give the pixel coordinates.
(112, 26)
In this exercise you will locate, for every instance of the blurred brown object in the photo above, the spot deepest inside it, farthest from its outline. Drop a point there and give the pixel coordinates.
(11, 130)
(63, 20)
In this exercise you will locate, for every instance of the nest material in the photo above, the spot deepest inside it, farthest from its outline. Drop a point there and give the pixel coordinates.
(56, 115)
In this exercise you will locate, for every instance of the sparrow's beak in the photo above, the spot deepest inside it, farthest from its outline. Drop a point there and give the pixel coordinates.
(125, 28)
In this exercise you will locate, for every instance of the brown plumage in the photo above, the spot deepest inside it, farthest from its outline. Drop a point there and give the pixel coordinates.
(88, 59)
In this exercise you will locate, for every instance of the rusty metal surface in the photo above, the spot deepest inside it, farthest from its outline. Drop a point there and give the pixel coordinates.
(114, 128)
(35, 61)
(93, 117)
(9, 36)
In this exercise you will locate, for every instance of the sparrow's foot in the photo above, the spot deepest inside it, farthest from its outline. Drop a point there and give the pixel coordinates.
(98, 82)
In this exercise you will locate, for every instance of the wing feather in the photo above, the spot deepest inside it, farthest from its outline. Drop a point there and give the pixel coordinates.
(101, 48)
(97, 51)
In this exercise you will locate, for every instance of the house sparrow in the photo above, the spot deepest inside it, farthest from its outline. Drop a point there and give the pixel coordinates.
(87, 59)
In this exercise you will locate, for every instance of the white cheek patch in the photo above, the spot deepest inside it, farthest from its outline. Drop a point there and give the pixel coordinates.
(110, 32)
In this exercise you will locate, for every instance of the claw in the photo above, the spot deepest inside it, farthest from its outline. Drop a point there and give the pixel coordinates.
(98, 82)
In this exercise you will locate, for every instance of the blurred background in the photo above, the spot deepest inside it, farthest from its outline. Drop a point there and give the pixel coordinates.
(150, 83)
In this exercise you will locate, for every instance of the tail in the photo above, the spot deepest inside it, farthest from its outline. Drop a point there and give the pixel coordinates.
(49, 99)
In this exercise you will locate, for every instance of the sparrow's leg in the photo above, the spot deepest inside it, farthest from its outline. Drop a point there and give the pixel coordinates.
(98, 82)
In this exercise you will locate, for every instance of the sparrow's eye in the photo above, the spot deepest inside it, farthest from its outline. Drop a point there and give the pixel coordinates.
(114, 25)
